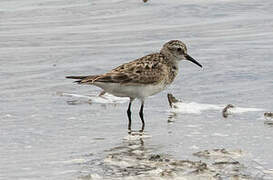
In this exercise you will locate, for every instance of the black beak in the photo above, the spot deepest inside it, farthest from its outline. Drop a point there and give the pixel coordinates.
(188, 57)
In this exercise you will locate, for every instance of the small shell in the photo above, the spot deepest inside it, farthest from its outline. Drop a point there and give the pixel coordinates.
(268, 118)
(226, 111)
(268, 114)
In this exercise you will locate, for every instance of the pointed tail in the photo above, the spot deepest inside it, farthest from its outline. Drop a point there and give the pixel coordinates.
(82, 79)
(77, 77)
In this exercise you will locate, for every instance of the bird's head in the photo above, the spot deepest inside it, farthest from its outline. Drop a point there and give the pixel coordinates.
(177, 51)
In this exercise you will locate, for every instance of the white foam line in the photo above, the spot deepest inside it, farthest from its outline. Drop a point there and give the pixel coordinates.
(180, 107)
(197, 108)
(105, 99)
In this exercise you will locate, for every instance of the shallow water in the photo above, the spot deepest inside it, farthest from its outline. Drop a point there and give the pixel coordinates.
(44, 135)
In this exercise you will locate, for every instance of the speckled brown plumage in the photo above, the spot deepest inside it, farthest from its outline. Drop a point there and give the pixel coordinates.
(151, 69)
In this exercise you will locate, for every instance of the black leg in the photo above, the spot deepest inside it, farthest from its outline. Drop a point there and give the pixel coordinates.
(129, 115)
(141, 115)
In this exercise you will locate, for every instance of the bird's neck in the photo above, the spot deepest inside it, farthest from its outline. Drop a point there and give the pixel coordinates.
(174, 70)
(172, 63)
(170, 59)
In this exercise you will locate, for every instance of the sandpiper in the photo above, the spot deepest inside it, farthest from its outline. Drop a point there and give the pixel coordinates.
(142, 77)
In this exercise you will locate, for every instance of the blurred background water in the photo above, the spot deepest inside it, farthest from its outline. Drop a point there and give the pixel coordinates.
(43, 136)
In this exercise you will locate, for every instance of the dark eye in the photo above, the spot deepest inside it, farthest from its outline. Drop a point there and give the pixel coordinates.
(179, 49)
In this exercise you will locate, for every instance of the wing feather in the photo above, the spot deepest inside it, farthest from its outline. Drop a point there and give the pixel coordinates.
(149, 69)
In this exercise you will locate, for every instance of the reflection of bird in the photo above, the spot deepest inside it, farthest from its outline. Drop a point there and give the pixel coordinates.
(142, 77)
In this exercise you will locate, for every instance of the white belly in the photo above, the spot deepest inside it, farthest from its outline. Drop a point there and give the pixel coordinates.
(140, 91)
